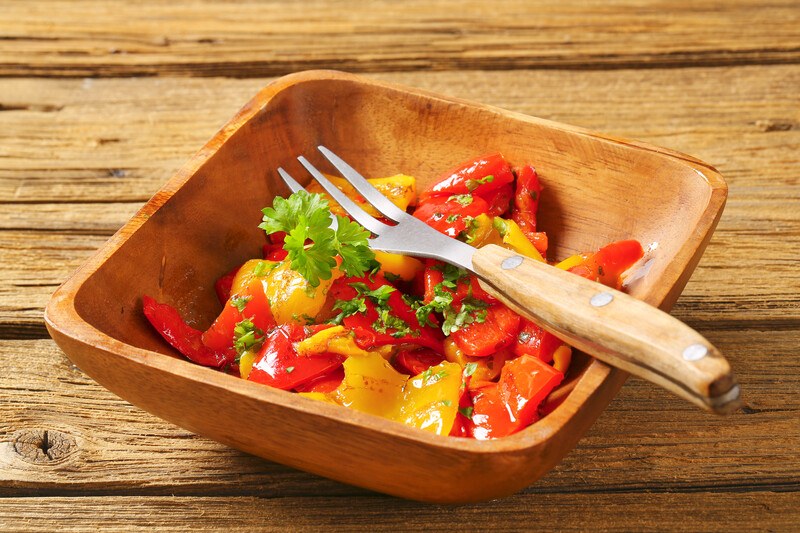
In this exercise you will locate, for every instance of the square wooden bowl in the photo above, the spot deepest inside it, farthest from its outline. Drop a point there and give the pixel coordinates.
(204, 222)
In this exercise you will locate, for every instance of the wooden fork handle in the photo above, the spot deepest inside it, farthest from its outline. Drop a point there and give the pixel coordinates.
(612, 326)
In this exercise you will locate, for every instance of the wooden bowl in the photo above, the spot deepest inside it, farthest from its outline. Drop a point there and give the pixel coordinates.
(204, 222)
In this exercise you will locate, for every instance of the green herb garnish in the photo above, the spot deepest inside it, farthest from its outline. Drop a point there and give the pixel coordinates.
(239, 302)
(306, 217)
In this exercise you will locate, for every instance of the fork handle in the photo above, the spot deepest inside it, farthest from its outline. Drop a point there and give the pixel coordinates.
(612, 326)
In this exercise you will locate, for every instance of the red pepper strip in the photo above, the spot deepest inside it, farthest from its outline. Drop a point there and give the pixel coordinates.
(223, 285)
(526, 205)
(274, 252)
(279, 366)
(505, 407)
(219, 337)
(181, 336)
(362, 324)
(462, 425)
(448, 214)
(533, 340)
(325, 383)
(499, 200)
(433, 276)
(277, 237)
(413, 362)
(468, 177)
(498, 331)
(610, 262)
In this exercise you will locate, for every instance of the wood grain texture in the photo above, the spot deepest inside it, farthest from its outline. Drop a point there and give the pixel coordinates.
(120, 140)
(645, 440)
(78, 156)
(53, 151)
(701, 511)
(622, 331)
(253, 39)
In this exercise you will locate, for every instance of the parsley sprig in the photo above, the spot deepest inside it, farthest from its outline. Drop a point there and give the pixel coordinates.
(312, 245)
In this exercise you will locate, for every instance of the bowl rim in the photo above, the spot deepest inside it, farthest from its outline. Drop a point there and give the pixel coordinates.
(598, 382)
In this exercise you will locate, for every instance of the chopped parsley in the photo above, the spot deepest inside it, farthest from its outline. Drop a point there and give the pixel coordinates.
(474, 184)
(466, 411)
(470, 368)
(246, 336)
(463, 199)
(289, 369)
(471, 309)
(379, 296)
(347, 308)
(239, 302)
(262, 268)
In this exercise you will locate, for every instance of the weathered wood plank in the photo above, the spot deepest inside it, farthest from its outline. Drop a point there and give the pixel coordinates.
(120, 140)
(703, 511)
(646, 440)
(256, 39)
(754, 244)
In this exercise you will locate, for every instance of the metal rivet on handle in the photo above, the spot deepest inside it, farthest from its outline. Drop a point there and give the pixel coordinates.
(601, 298)
(512, 262)
(695, 352)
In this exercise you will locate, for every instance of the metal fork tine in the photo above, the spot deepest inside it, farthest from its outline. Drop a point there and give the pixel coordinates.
(365, 188)
(294, 187)
(290, 181)
(362, 217)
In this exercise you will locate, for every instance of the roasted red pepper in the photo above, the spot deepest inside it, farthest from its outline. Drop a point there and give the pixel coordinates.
(278, 365)
(467, 285)
(610, 262)
(499, 200)
(498, 330)
(415, 361)
(370, 329)
(254, 306)
(526, 205)
(505, 407)
(462, 425)
(479, 176)
(181, 336)
(533, 340)
(222, 287)
(274, 252)
(449, 214)
(324, 383)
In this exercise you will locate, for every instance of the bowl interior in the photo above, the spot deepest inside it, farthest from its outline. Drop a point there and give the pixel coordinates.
(596, 191)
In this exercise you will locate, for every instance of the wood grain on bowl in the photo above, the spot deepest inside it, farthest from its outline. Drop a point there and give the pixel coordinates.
(204, 221)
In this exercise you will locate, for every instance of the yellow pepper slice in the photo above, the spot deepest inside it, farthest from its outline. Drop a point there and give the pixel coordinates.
(246, 363)
(403, 266)
(250, 270)
(291, 298)
(483, 232)
(400, 189)
(332, 340)
(515, 239)
(428, 401)
(370, 385)
(562, 358)
(571, 261)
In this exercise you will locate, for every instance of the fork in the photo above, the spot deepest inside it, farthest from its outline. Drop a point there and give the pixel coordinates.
(608, 324)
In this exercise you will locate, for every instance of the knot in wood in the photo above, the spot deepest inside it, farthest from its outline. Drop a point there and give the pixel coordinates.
(44, 446)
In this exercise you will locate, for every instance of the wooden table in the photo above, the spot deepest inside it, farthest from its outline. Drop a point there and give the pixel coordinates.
(101, 102)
